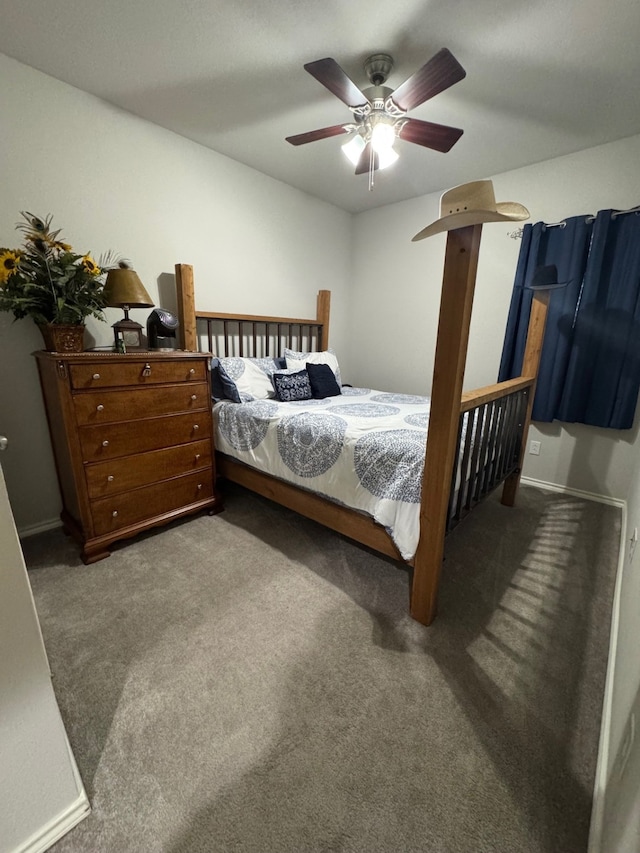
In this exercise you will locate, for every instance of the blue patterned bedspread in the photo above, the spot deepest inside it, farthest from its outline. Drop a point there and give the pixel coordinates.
(364, 449)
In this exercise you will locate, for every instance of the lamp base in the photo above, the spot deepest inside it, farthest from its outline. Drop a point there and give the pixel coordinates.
(131, 333)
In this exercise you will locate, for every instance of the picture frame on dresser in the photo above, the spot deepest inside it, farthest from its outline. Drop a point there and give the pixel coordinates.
(132, 441)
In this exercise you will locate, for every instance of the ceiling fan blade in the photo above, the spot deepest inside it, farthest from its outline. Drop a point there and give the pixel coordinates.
(440, 137)
(364, 163)
(313, 135)
(440, 72)
(328, 72)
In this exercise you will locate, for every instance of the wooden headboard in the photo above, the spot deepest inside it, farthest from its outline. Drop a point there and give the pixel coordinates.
(250, 335)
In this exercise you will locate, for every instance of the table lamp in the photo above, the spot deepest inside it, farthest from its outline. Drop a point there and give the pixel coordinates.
(123, 289)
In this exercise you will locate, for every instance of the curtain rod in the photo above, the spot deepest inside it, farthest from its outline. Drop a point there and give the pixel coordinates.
(622, 212)
(517, 234)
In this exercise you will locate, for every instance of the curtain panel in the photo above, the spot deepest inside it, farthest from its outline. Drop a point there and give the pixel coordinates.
(590, 364)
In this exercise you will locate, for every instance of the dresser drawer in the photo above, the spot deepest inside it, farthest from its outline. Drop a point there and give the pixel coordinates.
(120, 475)
(110, 441)
(102, 407)
(105, 374)
(120, 511)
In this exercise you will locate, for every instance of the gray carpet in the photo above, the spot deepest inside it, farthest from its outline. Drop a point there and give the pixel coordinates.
(253, 682)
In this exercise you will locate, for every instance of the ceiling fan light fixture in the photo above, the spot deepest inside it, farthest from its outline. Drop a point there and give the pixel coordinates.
(353, 148)
(383, 136)
(386, 157)
(379, 114)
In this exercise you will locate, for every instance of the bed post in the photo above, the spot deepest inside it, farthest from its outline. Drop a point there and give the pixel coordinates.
(186, 307)
(530, 365)
(322, 311)
(458, 284)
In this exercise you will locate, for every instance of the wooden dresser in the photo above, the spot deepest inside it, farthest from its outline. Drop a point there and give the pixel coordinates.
(132, 440)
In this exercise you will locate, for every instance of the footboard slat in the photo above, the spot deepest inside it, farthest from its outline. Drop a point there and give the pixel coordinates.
(510, 414)
(475, 454)
(490, 434)
(484, 450)
(489, 468)
(465, 418)
(496, 476)
(452, 490)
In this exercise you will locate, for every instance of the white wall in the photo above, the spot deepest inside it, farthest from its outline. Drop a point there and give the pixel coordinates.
(113, 181)
(396, 293)
(621, 795)
(41, 793)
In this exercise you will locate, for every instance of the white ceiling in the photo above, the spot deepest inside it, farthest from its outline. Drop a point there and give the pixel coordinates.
(544, 77)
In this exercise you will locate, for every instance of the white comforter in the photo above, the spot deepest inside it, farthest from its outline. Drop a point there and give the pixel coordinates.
(364, 449)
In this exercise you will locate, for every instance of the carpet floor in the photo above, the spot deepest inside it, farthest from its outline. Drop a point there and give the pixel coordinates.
(253, 682)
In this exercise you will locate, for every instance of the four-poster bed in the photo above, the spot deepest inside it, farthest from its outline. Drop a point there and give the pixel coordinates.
(475, 440)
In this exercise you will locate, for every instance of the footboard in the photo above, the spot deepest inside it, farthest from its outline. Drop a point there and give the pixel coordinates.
(490, 435)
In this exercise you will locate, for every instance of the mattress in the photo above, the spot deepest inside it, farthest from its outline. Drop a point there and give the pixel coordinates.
(364, 449)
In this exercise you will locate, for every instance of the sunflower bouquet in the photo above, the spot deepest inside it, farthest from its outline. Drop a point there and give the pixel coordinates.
(46, 280)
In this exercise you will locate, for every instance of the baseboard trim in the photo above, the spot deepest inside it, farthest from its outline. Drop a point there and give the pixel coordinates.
(578, 493)
(40, 527)
(56, 828)
(600, 782)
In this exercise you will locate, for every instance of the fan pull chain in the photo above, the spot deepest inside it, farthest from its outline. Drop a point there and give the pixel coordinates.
(372, 154)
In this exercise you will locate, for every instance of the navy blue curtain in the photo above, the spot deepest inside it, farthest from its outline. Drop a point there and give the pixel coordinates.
(590, 364)
(603, 374)
(566, 246)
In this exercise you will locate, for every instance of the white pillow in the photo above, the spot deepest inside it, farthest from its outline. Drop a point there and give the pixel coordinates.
(297, 360)
(252, 376)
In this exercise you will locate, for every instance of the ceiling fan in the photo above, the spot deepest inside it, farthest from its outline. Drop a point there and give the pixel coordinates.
(380, 112)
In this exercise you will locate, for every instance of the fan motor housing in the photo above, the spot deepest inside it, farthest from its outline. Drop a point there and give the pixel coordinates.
(377, 95)
(378, 67)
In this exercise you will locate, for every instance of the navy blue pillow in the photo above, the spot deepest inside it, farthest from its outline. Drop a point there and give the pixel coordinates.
(323, 381)
(292, 386)
(222, 386)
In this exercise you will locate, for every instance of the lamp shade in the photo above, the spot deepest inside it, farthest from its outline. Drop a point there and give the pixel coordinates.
(353, 149)
(123, 287)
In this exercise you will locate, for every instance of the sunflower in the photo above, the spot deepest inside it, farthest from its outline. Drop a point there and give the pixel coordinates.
(9, 261)
(90, 265)
(47, 280)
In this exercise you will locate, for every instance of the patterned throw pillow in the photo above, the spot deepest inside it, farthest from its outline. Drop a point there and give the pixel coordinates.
(251, 377)
(222, 386)
(292, 386)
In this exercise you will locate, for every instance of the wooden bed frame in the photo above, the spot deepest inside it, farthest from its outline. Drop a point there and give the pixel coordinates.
(488, 453)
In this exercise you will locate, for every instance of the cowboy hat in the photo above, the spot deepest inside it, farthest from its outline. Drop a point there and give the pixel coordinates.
(472, 204)
(546, 278)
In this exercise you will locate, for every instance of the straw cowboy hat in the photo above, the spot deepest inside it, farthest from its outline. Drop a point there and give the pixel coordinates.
(472, 204)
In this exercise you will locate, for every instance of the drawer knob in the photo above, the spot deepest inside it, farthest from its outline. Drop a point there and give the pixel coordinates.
(105, 443)
(192, 370)
(96, 376)
(194, 396)
(110, 478)
(195, 426)
(146, 370)
(114, 514)
(199, 485)
(197, 456)
(100, 408)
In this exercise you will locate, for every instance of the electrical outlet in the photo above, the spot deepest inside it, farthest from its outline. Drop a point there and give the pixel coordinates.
(633, 543)
(534, 448)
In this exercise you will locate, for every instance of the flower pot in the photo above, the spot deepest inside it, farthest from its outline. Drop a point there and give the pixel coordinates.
(61, 338)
